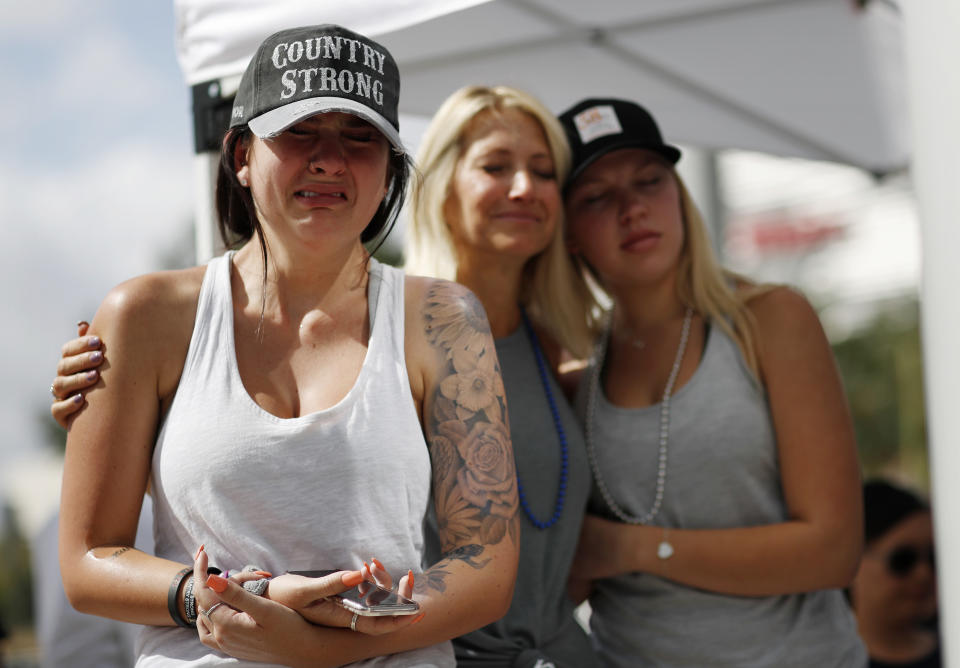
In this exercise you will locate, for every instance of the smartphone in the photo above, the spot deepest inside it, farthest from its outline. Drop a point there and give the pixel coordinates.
(369, 598)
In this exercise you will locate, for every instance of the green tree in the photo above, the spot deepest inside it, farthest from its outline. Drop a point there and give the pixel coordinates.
(882, 370)
(16, 590)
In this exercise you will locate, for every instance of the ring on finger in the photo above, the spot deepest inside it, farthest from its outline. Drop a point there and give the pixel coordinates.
(206, 613)
(353, 621)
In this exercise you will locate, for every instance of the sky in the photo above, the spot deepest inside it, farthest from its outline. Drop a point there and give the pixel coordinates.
(96, 186)
(95, 182)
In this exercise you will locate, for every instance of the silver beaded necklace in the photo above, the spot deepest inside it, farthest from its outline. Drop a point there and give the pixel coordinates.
(592, 390)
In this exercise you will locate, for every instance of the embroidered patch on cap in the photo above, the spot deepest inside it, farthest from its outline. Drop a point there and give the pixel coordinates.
(597, 122)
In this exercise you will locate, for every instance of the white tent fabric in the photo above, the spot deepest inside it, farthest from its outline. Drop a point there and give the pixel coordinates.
(215, 38)
(932, 53)
(818, 79)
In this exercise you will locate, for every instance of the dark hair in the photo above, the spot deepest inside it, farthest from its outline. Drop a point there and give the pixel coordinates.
(885, 505)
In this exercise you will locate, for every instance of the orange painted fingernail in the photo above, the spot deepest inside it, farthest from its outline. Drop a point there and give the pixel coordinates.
(351, 579)
(264, 574)
(377, 562)
(217, 583)
(410, 578)
(418, 618)
(199, 550)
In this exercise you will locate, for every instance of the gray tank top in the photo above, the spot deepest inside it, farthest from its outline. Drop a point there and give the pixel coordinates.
(323, 490)
(723, 472)
(540, 625)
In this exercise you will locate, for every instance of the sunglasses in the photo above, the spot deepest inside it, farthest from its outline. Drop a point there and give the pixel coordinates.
(902, 560)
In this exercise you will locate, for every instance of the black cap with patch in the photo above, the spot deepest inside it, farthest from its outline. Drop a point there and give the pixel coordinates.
(597, 126)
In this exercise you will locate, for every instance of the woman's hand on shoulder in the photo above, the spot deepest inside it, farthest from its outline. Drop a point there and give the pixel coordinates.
(148, 320)
(76, 371)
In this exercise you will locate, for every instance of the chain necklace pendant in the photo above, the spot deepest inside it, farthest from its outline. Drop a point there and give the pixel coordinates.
(592, 390)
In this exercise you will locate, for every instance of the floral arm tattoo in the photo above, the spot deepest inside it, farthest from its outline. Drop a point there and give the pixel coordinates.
(474, 476)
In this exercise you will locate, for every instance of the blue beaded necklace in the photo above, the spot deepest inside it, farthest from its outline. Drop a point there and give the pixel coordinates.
(561, 434)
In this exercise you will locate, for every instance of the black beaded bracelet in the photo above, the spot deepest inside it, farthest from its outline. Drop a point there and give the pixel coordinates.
(172, 594)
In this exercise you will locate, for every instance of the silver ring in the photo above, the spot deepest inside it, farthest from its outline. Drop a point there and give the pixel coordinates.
(206, 613)
(353, 622)
(53, 393)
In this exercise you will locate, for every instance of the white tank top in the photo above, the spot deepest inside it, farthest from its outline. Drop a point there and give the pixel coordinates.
(324, 490)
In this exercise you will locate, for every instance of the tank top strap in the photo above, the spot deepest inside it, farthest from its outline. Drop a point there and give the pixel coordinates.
(213, 324)
(385, 294)
(726, 351)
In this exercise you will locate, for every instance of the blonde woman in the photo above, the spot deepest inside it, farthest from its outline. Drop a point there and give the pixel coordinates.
(489, 215)
(726, 513)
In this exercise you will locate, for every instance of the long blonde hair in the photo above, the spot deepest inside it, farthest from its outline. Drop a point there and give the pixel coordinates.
(552, 291)
(718, 294)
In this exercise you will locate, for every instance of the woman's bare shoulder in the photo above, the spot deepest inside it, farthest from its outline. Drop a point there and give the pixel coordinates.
(425, 289)
(440, 315)
(146, 324)
(778, 306)
(431, 301)
(154, 298)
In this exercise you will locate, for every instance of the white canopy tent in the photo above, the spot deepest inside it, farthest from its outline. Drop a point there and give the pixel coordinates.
(809, 78)
(819, 79)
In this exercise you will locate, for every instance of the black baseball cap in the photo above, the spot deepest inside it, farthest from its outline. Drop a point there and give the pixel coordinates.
(299, 72)
(596, 126)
